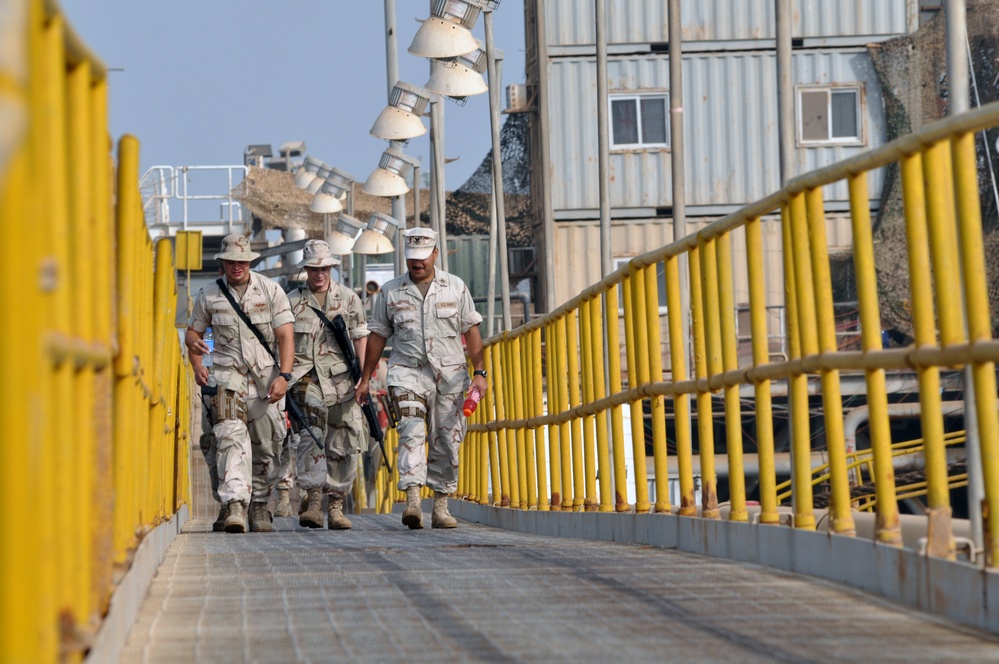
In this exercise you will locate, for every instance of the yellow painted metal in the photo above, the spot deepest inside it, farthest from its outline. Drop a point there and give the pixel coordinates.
(681, 401)
(633, 303)
(614, 379)
(939, 188)
(887, 528)
(969, 219)
(730, 362)
(832, 400)
(523, 400)
(572, 350)
(586, 352)
(525, 471)
(537, 369)
(517, 462)
(705, 429)
(804, 512)
(189, 250)
(562, 393)
(940, 538)
(554, 451)
(507, 480)
(761, 355)
(489, 402)
(658, 401)
(604, 468)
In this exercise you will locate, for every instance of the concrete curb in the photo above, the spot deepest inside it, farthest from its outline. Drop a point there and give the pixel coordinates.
(130, 593)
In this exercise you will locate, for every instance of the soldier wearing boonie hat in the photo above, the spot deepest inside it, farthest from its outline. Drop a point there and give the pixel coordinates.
(249, 425)
(426, 311)
(324, 389)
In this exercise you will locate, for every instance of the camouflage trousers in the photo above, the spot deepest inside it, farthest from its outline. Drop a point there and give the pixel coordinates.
(247, 453)
(342, 430)
(431, 428)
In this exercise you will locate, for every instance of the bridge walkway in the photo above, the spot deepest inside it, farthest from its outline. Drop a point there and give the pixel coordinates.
(381, 592)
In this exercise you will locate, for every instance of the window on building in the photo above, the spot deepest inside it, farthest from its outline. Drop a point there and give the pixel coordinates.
(639, 121)
(661, 278)
(829, 115)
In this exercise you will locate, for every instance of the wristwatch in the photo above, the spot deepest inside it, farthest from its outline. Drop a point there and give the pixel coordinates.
(286, 376)
(480, 372)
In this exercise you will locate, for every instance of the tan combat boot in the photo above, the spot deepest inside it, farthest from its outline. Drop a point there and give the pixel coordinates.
(442, 518)
(412, 516)
(283, 507)
(219, 524)
(235, 522)
(337, 521)
(260, 518)
(312, 517)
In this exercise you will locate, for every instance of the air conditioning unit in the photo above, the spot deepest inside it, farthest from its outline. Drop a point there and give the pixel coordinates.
(516, 99)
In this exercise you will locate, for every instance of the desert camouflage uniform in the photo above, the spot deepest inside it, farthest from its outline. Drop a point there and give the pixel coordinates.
(249, 432)
(427, 374)
(324, 389)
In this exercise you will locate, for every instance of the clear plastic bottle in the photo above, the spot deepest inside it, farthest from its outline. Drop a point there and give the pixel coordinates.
(208, 338)
(471, 402)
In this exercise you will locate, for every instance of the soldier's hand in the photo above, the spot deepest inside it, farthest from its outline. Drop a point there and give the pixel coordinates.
(201, 376)
(481, 383)
(277, 389)
(199, 347)
(361, 391)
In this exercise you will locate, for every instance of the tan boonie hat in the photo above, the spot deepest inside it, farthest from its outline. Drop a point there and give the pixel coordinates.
(317, 254)
(236, 247)
(419, 243)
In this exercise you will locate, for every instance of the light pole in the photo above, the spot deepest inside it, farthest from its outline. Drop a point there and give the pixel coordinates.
(494, 68)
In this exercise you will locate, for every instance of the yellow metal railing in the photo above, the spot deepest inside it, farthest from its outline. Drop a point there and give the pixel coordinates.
(585, 436)
(95, 409)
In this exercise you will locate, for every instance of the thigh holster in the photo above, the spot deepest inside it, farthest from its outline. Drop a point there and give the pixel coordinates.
(227, 405)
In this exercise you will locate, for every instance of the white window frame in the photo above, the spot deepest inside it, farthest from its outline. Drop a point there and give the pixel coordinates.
(860, 139)
(638, 98)
(660, 273)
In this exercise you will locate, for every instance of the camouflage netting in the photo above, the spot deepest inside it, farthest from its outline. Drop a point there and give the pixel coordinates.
(272, 197)
(913, 75)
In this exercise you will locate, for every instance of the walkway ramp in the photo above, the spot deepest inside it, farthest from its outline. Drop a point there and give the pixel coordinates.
(383, 593)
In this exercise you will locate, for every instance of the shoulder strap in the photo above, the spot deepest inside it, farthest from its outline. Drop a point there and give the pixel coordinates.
(246, 319)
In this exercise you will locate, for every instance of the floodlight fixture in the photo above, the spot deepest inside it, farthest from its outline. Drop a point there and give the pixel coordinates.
(307, 172)
(389, 179)
(377, 237)
(448, 31)
(327, 199)
(341, 239)
(400, 121)
(461, 77)
(321, 175)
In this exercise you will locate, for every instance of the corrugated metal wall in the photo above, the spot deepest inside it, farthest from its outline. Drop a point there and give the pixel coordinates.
(731, 127)
(571, 22)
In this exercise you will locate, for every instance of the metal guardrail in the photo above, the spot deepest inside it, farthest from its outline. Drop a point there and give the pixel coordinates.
(161, 185)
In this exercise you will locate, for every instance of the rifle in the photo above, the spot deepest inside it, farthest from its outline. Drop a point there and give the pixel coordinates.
(289, 402)
(339, 329)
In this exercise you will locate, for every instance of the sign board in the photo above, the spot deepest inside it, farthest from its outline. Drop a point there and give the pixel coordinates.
(188, 250)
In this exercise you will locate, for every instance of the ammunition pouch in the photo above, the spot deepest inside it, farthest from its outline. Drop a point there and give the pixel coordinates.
(227, 405)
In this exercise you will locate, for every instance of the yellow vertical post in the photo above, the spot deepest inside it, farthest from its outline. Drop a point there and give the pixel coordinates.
(484, 436)
(589, 447)
(887, 528)
(614, 379)
(491, 436)
(634, 309)
(554, 451)
(832, 400)
(599, 392)
(658, 402)
(528, 486)
(943, 242)
(527, 390)
(80, 266)
(761, 356)
(969, 219)
(940, 534)
(730, 362)
(800, 333)
(572, 349)
(518, 495)
(562, 392)
(681, 402)
(705, 419)
(498, 373)
(538, 410)
(162, 281)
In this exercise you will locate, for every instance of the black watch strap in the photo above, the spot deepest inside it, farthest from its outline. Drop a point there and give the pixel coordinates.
(480, 372)
(286, 376)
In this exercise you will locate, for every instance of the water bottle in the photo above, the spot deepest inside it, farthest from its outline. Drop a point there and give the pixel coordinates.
(471, 402)
(208, 338)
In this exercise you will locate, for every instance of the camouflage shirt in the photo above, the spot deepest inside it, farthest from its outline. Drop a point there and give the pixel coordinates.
(427, 330)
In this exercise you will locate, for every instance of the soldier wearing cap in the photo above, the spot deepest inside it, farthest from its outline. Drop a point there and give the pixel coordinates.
(323, 387)
(426, 311)
(249, 424)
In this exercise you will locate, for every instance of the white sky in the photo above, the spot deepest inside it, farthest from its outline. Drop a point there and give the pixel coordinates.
(203, 79)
